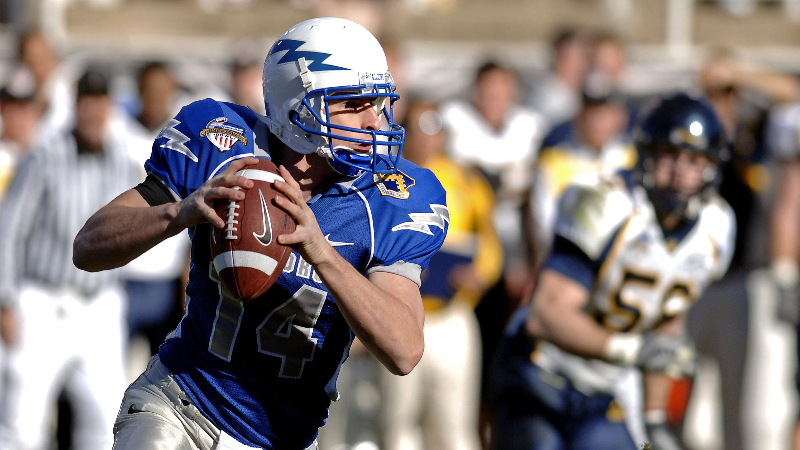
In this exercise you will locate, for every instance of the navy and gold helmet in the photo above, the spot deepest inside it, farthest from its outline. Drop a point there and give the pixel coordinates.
(677, 124)
(683, 122)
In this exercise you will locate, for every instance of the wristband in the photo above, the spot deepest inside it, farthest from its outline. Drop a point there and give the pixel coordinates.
(623, 348)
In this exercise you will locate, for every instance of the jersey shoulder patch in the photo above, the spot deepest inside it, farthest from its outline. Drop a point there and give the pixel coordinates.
(208, 121)
(200, 141)
(589, 214)
(412, 189)
(409, 212)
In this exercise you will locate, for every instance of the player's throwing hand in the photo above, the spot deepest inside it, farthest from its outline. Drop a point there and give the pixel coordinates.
(199, 206)
(307, 238)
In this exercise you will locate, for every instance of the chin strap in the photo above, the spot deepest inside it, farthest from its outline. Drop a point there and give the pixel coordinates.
(348, 154)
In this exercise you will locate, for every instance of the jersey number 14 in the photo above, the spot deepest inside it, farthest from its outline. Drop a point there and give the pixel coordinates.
(286, 332)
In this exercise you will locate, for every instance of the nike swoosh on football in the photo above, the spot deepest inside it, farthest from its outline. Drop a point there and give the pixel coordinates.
(334, 243)
(265, 238)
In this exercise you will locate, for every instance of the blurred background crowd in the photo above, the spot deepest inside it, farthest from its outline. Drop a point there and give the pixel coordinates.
(508, 102)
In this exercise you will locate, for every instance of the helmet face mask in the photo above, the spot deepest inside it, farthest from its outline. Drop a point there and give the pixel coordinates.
(385, 145)
(318, 63)
(677, 176)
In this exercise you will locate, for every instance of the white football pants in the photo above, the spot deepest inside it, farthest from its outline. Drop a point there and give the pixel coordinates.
(442, 393)
(67, 342)
(157, 415)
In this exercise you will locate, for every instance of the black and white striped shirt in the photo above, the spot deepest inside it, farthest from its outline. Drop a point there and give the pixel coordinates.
(56, 189)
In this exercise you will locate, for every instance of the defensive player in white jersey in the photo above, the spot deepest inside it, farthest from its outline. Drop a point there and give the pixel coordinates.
(630, 257)
(261, 374)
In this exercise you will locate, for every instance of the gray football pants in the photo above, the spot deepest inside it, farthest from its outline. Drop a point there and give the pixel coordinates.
(157, 415)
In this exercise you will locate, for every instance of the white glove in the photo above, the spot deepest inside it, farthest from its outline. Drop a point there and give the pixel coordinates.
(653, 352)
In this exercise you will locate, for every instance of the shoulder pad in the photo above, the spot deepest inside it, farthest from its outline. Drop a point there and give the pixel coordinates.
(409, 210)
(199, 142)
(589, 214)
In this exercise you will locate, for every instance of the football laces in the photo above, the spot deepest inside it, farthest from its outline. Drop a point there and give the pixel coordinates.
(231, 222)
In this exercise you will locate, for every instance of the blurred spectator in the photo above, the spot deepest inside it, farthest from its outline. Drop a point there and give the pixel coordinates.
(593, 144)
(493, 132)
(784, 275)
(558, 95)
(14, 13)
(741, 97)
(728, 85)
(154, 280)
(54, 89)
(246, 86)
(610, 64)
(436, 405)
(610, 59)
(20, 117)
(785, 222)
(64, 327)
(394, 59)
(158, 92)
(500, 138)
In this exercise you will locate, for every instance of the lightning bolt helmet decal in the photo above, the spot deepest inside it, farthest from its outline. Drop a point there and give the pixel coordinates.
(326, 60)
(292, 55)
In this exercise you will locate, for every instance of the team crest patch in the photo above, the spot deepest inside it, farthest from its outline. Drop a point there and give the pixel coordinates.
(394, 184)
(222, 134)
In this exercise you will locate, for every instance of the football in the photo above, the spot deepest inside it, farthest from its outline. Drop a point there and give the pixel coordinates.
(246, 252)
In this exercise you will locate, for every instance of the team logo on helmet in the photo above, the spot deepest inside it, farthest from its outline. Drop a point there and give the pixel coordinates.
(394, 185)
(682, 136)
(222, 134)
(290, 46)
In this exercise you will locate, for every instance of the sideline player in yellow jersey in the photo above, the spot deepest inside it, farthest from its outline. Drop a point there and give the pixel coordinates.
(444, 388)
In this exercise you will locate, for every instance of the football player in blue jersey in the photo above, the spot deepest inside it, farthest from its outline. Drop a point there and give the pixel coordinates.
(262, 374)
(587, 364)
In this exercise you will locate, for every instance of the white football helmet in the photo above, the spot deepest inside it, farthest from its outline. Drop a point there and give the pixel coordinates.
(323, 60)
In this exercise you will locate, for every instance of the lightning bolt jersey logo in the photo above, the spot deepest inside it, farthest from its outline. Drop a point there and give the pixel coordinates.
(290, 46)
(422, 222)
(176, 140)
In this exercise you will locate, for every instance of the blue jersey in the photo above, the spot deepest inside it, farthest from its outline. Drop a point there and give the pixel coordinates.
(264, 371)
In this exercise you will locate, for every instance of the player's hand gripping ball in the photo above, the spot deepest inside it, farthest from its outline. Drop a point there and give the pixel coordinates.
(246, 252)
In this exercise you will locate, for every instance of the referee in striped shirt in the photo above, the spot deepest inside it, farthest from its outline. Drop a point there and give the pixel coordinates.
(63, 326)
